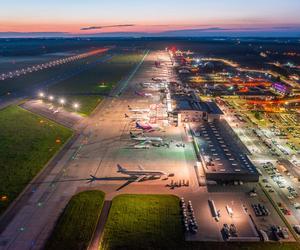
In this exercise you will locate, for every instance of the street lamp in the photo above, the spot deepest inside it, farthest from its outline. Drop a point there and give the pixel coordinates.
(51, 97)
(62, 101)
(75, 105)
(41, 94)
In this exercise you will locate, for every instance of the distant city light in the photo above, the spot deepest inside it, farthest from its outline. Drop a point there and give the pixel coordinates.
(62, 101)
(41, 94)
(51, 97)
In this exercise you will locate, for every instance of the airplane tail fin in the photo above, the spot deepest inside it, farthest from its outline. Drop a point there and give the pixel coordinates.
(137, 125)
(91, 179)
(141, 167)
(120, 168)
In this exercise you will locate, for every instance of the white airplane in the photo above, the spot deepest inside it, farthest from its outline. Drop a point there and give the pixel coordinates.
(157, 79)
(143, 94)
(141, 173)
(145, 138)
(137, 117)
(153, 85)
(141, 146)
(147, 84)
(139, 110)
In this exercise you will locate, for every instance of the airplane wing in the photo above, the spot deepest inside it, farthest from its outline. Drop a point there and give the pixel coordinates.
(147, 141)
(141, 167)
(141, 143)
(140, 178)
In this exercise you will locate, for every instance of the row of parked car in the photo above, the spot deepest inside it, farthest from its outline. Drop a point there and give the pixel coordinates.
(230, 230)
(279, 180)
(260, 210)
(279, 232)
(190, 223)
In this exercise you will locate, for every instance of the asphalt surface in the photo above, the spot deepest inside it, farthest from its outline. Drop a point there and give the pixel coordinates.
(94, 245)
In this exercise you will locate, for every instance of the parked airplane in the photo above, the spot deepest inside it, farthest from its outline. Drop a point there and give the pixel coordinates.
(141, 146)
(141, 173)
(154, 85)
(136, 117)
(145, 138)
(157, 79)
(146, 127)
(143, 94)
(137, 110)
(147, 84)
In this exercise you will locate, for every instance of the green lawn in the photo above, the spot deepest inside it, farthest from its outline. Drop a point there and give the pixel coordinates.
(101, 78)
(76, 225)
(127, 58)
(96, 80)
(86, 103)
(27, 143)
(143, 221)
(89, 86)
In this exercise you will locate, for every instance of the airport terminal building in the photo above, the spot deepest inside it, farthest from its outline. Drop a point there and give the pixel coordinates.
(189, 108)
(224, 157)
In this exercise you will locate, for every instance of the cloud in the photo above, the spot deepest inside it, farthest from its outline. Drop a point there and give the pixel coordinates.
(106, 26)
(286, 27)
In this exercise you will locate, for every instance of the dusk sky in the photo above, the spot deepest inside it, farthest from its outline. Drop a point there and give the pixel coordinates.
(145, 16)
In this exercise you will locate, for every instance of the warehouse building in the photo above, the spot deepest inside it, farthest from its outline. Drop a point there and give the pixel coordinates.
(223, 156)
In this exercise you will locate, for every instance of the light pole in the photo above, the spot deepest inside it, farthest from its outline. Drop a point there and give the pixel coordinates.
(76, 106)
(41, 95)
(62, 101)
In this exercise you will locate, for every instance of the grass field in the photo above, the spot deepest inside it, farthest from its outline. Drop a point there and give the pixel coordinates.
(77, 223)
(97, 81)
(130, 58)
(143, 221)
(101, 78)
(28, 141)
(87, 103)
